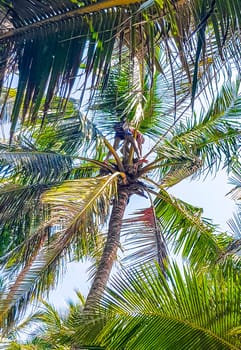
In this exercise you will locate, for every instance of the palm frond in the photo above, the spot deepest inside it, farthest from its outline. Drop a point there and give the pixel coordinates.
(234, 247)
(87, 34)
(75, 217)
(178, 309)
(185, 229)
(13, 303)
(70, 134)
(181, 171)
(71, 195)
(143, 240)
(185, 311)
(147, 105)
(16, 201)
(52, 323)
(214, 136)
(235, 180)
(40, 166)
(172, 164)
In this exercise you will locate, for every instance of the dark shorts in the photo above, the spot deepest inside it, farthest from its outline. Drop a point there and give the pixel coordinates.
(123, 134)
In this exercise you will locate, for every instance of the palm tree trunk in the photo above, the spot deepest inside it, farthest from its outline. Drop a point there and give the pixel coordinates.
(110, 250)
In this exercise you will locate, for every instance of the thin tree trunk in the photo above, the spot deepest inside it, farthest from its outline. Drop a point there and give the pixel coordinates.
(110, 250)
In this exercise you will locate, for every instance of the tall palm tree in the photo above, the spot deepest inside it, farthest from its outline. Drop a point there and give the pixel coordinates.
(47, 170)
(58, 198)
(147, 308)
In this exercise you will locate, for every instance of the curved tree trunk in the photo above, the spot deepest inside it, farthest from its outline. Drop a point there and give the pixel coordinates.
(110, 250)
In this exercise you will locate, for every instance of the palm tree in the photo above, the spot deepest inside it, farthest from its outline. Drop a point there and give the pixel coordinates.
(56, 199)
(148, 308)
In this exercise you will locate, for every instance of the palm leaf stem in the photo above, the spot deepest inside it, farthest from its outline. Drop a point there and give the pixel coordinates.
(98, 163)
(114, 153)
(153, 165)
(80, 11)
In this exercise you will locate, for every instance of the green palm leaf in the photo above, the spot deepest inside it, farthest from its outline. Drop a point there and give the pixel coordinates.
(145, 309)
(75, 218)
(214, 136)
(67, 135)
(42, 166)
(185, 311)
(189, 234)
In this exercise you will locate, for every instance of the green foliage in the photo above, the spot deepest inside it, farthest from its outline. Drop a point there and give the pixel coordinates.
(147, 62)
(89, 34)
(184, 310)
(57, 202)
(147, 309)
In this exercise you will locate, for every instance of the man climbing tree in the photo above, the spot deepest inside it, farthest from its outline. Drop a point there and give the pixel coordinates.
(131, 138)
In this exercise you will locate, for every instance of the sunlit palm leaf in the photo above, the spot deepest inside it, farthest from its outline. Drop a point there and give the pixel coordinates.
(76, 212)
(71, 195)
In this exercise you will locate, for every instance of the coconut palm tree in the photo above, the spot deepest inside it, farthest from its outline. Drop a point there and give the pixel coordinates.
(149, 308)
(62, 195)
(57, 193)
